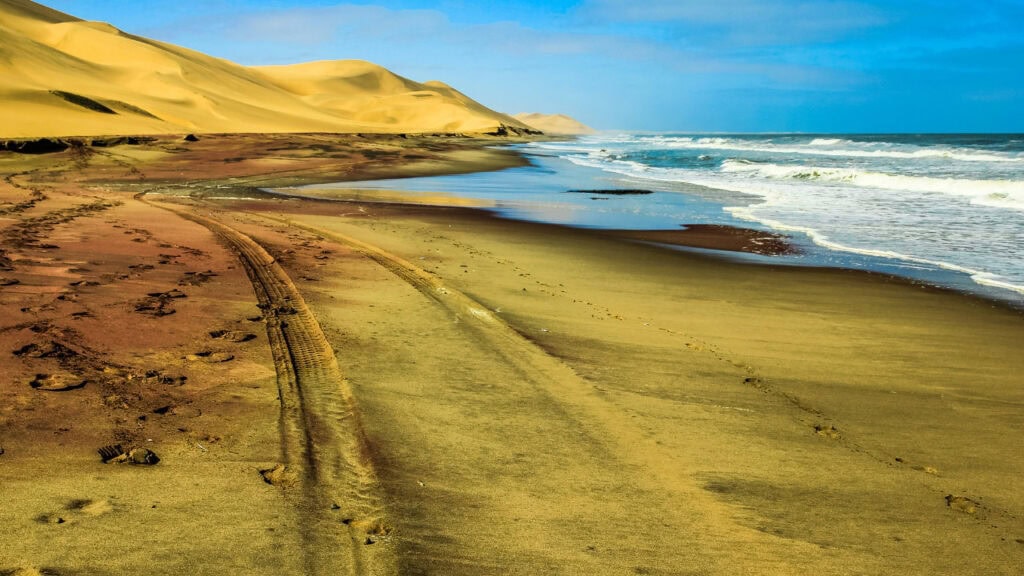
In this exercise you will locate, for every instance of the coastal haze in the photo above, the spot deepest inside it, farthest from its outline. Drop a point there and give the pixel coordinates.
(319, 318)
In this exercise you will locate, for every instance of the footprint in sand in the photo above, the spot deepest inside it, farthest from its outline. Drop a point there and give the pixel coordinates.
(89, 507)
(210, 357)
(30, 572)
(963, 504)
(232, 336)
(76, 510)
(827, 431)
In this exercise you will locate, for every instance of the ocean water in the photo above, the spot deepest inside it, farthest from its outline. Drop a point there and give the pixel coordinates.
(953, 202)
(944, 209)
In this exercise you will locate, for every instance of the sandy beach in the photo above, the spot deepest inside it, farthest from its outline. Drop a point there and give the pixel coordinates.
(370, 386)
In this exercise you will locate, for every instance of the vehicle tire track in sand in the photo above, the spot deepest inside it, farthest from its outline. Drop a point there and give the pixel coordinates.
(708, 521)
(321, 435)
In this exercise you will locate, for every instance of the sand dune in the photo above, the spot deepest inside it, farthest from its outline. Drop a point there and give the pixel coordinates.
(65, 76)
(553, 123)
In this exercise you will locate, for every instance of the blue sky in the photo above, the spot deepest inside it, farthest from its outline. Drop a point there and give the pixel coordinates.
(708, 65)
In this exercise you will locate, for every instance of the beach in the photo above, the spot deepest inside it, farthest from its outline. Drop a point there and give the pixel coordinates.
(375, 386)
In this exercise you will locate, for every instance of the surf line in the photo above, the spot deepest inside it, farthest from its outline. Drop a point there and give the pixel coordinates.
(322, 438)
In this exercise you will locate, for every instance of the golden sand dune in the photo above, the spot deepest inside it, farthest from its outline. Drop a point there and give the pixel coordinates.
(367, 94)
(553, 123)
(66, 76)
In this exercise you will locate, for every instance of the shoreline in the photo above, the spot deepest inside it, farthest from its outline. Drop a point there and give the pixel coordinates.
(732, 245)
(731, 239)
(503, 396)
(827, 191)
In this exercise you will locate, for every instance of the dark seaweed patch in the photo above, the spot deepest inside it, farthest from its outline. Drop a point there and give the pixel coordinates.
(613, 192)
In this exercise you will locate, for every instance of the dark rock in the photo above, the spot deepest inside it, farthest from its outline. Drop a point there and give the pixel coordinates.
(501, 131)
(191, 138)
(38, 146)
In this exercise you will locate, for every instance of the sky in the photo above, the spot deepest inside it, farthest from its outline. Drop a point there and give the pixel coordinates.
(664, 65)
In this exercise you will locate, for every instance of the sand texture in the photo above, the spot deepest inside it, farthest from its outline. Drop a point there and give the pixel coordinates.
(67, 77)
(201, 377)
(554, 123)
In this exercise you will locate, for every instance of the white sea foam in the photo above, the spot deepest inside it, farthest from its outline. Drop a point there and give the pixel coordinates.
(829, 142)
(825, 147)
(821, 239)
(997, 193)
(962, 223)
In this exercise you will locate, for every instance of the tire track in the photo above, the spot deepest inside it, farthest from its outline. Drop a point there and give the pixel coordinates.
(710, 522)
(322, 437)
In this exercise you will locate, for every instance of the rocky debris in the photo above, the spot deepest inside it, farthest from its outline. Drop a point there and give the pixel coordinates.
(115, 454)
(196, 278)
(191, 138)
(505, 131)
(109, 453)
(53, 145)
(210, 357)
(57, 383)
(232, 336)
(156, 307)
(170, 294)
(37, 146)
(143, 456)
(51, 349)
(158, 304)
(158, 377)
(121, 141)
(501, 131)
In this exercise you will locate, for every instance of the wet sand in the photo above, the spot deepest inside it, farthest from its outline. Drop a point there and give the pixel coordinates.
(434, 390)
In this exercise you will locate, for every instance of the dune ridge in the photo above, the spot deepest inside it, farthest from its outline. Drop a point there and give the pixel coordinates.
(554, 123)
(64, 76)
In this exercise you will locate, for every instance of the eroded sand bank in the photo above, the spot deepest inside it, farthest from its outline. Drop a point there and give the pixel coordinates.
(451, 393)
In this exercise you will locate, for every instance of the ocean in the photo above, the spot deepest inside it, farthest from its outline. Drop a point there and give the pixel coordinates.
(943, 209)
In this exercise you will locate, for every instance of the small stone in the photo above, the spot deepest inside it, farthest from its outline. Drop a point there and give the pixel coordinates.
(279, 476)
(143, 456)
(962, 504)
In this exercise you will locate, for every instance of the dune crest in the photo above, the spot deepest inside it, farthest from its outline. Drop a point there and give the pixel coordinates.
(554, 123)
(67, 77)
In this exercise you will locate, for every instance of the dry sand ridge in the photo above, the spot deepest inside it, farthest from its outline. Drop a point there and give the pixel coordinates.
(67, 77)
